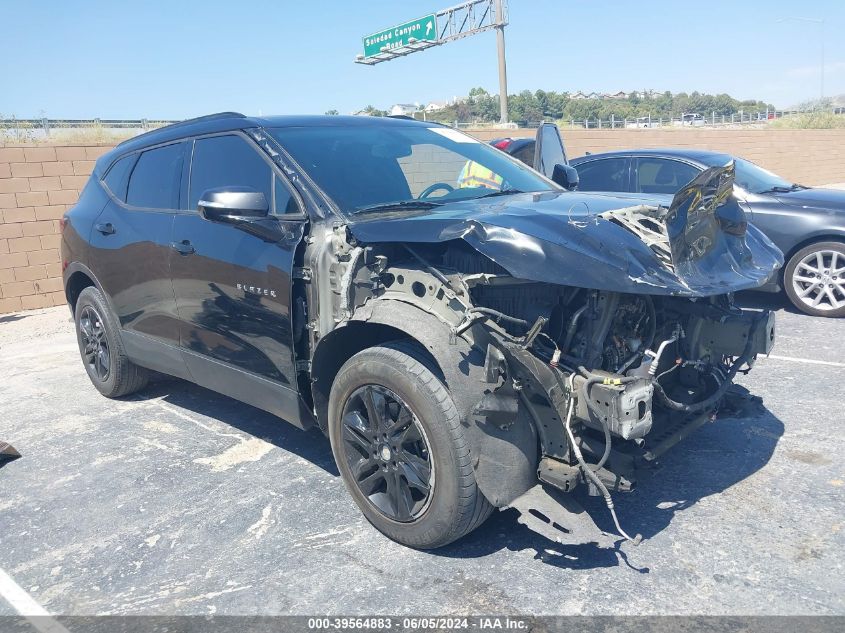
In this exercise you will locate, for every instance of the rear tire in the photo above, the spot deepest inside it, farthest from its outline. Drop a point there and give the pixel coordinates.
(816, 275)
(438, 499)
(103, 355)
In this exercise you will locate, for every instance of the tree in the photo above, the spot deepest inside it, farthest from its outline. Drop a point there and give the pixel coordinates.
(371, 111)
(482, 107)
(524, 107)
(332, 112)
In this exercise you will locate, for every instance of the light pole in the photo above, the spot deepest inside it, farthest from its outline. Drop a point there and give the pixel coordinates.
(820, 22)
(503, 73)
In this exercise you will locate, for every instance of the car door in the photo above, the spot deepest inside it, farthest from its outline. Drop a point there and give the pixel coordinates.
(661, 175)
(548, 149)
(130, 243)
(233, 287)
(604, 174)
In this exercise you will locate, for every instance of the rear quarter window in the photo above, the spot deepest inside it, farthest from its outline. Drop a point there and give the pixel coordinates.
(660, 175)
(117, 177)
(156, 178)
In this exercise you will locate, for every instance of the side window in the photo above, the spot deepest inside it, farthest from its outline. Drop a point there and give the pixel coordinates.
(283, 200)
(661, 175)
(230, 161)
(117, 177)
(155, 181)
(607, 174)
(526, 154)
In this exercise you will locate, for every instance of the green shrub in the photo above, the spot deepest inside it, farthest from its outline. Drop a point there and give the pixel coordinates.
(819, 120)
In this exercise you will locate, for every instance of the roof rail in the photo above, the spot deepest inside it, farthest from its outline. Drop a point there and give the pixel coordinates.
(199, 119)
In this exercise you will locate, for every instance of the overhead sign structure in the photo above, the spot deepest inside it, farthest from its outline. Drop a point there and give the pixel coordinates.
(468, 18)
(422, 29)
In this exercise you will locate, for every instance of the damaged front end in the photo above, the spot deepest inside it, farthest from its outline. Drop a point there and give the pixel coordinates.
(581, 337)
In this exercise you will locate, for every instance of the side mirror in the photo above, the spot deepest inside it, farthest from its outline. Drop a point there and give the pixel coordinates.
(566, 176)
(233, 204)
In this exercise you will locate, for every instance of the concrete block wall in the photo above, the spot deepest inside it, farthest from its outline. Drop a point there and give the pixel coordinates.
(37, 185)
(428, 164)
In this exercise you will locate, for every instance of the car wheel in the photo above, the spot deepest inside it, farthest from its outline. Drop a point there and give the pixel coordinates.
(399, 445)
(103, 356)
(814, 279)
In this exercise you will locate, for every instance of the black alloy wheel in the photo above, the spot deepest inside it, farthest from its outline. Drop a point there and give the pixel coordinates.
(387, 452)
(105, 360)
(393, 424)
(95, 344)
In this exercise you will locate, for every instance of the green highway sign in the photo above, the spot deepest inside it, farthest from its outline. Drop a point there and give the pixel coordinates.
(424, 28)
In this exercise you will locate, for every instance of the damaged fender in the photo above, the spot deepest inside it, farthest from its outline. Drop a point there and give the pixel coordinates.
(502, 439)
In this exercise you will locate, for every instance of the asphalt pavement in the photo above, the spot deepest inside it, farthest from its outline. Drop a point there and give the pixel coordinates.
(181, 501)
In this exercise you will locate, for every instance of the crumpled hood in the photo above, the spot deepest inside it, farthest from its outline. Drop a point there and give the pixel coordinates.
(575, 239)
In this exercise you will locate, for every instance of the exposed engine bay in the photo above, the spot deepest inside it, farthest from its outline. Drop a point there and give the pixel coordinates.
(610, 380)
(572, 385)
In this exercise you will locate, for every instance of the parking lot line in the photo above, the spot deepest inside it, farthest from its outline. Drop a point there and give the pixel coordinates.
(26, 606)
(811, 361)
(189, 418)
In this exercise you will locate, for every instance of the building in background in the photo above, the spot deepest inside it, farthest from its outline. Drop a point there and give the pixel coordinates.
(404, 109)
(436, 106)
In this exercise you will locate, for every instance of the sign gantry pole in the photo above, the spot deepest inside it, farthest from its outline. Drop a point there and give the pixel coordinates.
(463, 20)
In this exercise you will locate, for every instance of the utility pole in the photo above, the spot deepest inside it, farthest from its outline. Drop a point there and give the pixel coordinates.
(821, 23)
(503, 73)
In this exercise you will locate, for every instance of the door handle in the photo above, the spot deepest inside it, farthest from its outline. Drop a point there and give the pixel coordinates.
(183, 248)
(105, 229)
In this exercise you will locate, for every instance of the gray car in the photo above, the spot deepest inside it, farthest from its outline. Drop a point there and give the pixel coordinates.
(807, 224)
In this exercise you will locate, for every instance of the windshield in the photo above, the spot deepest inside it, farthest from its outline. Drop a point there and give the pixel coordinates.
(757, 180)
(372, 167)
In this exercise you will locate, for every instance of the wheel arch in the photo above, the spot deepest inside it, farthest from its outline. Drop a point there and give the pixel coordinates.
(339, 346)
(822, 236)
(505, 461)
(78, 277)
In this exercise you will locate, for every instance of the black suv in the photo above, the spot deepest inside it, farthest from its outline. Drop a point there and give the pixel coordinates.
(468, 333)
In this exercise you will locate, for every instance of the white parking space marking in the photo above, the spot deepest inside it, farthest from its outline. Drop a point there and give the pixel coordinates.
(811, 361)
(26, 606)
(157, 402)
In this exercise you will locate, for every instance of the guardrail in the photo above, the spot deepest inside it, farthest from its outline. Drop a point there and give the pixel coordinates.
(712, 120)
(33, 129)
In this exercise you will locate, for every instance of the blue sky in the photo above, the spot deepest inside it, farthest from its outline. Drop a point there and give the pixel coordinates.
(183, 58)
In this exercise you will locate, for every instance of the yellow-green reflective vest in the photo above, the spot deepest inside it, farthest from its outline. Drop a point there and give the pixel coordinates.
(475, 175)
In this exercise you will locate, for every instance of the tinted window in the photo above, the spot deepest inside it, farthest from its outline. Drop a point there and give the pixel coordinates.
(117, 177)
(551, 150)
(609, 174)
(659, 175)
(526, 154)
(155, 181)
(284, 202)
(230, 161)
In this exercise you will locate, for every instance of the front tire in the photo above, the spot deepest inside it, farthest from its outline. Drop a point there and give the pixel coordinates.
(814, 279)
(103, 356)
(398, 443)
